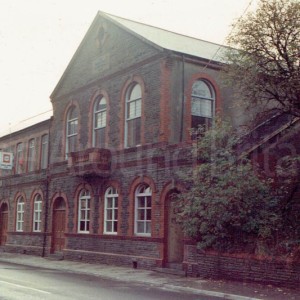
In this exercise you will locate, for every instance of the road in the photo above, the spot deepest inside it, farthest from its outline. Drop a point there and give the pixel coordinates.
(18, 282)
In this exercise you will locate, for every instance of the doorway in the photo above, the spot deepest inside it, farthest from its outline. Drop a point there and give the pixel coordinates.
(174, 231)
(3, 223)
(58, 225)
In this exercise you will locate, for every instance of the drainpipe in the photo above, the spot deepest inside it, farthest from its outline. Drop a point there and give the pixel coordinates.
(182, 100)
(47, 193)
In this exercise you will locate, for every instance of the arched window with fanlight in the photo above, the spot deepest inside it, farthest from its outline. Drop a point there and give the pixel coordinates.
(111, 211)
(143, 210)
(99, 122)
(71, 130)
(20, 214)
(202, 104)
(37, 213)
(84, 208)
(133, 113)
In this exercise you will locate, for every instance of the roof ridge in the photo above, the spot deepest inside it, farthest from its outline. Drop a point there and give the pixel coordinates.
(159, 28)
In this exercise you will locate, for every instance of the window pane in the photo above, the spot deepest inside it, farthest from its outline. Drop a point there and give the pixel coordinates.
(141, 202)
(115, 214)
(206, 109)
(109, 202)
(115, 226)
(100, 119)
(136, 92)
(83, 203)
(109, 214)
(148, 214)
(100, 104)
(82, 227)
(140, 227)
(148, 201)
(201, 89)
(148, 227)
(72, 144)
(141, 214)
(109, 226)
(134, 132)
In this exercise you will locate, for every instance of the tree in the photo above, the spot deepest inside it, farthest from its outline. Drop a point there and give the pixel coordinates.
(265, 70)
(226, 205)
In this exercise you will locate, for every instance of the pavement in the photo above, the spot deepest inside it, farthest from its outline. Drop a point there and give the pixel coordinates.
(217, 288)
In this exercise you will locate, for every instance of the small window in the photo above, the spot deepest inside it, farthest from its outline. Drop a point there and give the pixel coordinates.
(99, 122)
(143, 208)
(84, 208)
(44, 152)
(133, 116)
(31, 155)
(19, 159)
(202, 106)
(37, 213)
(20, 214)
(111, 211)
(72, 130)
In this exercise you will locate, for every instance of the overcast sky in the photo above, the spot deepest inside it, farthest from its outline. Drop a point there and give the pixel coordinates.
(39, 37)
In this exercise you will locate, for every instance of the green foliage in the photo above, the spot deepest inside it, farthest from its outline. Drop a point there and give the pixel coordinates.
(227, 205)
(266, 69)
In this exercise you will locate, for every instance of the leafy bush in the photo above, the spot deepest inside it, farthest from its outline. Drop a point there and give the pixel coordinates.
(227, 205)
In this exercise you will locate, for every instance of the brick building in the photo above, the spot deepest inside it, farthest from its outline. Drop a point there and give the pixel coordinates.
(117, 143)
(93, 183)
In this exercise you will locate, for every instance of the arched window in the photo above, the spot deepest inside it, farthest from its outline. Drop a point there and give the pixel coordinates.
(143, 207)
(84, 208)
(44, 151)
(71, 130)
(99, 122)
(19, 159)
(20, 214)
(111, 211)
(31, 155)
(37, 213)
(203, 103)
(133, 113)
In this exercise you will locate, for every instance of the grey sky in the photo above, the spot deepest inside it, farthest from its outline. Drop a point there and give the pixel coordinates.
(39, 37)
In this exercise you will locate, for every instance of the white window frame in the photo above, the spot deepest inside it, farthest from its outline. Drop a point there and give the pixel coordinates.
(37, 213)
(84, 211)
(137, 101)
(44, 151)
(199, 104)
(31, 155)
(20, 214)
(143, 195)
(111, 195)
(71, 122)
(102, 114)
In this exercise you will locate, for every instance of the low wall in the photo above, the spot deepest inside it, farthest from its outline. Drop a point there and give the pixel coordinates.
(24, 243)
(115, 250)
(241, 268)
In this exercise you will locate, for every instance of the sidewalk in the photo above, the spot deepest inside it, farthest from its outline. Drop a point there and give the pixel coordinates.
(222, 289)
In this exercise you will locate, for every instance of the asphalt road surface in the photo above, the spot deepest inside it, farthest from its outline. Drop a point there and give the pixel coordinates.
(18, 282)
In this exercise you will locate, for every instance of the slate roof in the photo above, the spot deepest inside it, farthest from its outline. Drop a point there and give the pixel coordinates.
(172, 41)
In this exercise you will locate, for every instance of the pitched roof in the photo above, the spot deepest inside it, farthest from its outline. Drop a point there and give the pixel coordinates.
(267, 132)
(172, 41)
